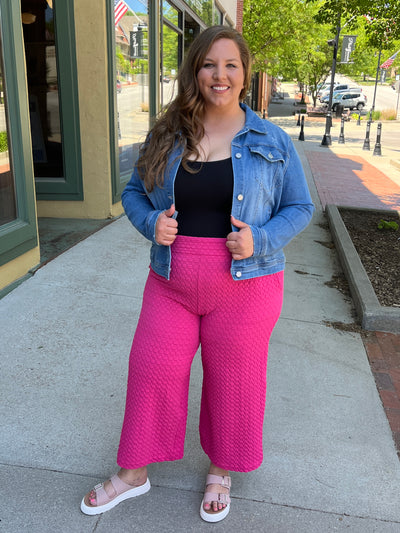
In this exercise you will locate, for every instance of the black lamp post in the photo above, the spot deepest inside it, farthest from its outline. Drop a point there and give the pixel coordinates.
(376, 83)
(327, 140)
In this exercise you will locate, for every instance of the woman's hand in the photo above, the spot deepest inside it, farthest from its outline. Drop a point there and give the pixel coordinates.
(166, 227)
(240, 243)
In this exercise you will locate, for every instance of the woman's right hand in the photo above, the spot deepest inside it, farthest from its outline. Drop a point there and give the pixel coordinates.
(166, 227)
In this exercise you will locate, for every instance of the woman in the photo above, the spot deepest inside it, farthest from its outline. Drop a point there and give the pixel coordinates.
(219, 192)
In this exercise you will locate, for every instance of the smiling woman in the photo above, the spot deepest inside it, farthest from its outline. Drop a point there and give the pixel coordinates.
(221, 78)
(218, 192)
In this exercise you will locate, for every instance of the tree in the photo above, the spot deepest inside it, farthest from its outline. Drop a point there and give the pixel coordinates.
(381, 18)
(270, 32)
(289, 37)
(365, 56)
(286, 40)
(315, 68)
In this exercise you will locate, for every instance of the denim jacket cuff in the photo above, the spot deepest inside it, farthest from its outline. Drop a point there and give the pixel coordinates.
(151, 226)
(259, 240)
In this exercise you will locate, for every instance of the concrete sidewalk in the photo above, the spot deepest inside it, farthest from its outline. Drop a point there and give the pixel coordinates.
(330, 461)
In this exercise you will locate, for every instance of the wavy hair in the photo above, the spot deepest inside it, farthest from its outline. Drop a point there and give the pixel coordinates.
(181, 123)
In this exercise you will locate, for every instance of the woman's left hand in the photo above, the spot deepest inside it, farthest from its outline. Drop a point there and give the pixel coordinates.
(240, 243)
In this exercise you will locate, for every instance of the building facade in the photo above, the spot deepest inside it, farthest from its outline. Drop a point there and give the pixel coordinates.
(79, 88)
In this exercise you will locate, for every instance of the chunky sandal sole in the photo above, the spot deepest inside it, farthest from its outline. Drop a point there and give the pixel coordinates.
(131, 493)
(214, 516)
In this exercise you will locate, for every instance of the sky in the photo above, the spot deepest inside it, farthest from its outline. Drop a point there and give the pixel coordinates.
(137, 5)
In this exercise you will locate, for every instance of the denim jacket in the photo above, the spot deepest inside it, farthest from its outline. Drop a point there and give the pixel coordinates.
(270, 194)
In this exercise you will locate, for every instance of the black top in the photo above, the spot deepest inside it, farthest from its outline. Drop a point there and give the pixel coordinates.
(204, 199)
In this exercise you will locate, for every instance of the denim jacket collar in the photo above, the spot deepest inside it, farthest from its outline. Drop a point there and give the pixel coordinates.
(253, 122)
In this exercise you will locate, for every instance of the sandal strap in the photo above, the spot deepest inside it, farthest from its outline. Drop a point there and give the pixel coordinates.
(101, 495)
(118, 486)
(224, 481)
(216, 497)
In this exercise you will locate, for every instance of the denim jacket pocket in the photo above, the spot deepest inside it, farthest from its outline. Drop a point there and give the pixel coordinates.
(267, 168)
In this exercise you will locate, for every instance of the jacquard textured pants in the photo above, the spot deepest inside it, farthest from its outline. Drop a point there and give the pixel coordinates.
(233, 321)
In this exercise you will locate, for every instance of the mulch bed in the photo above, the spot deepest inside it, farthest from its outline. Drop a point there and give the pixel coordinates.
(379, 251)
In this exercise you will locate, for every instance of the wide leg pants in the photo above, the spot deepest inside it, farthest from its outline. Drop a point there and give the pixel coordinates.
(233, 321)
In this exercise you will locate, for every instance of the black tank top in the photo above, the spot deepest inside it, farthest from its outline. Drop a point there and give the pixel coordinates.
(204, 199)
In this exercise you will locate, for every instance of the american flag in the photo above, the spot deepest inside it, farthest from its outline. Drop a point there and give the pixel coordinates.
(120, 8)
(389, 61)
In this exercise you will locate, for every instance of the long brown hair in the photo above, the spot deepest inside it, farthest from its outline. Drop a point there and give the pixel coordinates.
(181, 123)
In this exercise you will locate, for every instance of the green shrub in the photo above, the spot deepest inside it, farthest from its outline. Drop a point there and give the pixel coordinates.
(3, 141)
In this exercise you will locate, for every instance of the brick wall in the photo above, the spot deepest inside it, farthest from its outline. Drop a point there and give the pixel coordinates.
(239, 15)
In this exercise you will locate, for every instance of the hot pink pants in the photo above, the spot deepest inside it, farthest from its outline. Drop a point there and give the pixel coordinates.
(233, 321)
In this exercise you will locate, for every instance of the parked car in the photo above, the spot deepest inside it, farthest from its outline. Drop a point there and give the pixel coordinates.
(339, 87)
(351, 100)
(325, 99)
(325, 87)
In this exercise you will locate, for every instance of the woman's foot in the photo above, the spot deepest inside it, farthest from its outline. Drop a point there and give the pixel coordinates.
(126, 484)
(216, 501)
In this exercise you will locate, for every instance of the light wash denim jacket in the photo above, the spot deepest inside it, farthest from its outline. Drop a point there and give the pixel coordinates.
(270, 194)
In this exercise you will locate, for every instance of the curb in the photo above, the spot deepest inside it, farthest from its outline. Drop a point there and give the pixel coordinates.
(395, 163)
(373, 316)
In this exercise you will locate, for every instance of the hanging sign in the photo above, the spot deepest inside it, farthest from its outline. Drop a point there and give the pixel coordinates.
(138, 44)
(348, 45)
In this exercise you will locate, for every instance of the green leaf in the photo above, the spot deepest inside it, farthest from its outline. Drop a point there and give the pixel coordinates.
(385, 225)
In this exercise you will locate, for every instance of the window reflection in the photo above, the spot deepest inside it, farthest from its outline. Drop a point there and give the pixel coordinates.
(8, 209)
(43, 88)
(204, 8)
(132, 84)
(170, 13)
(170, 59)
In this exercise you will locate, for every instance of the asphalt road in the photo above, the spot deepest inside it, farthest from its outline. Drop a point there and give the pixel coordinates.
(386, 97)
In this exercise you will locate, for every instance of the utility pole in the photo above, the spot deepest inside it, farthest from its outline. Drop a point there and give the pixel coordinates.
(327, 140)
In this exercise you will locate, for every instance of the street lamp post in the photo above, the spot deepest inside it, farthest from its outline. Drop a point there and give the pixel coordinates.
(376, 83)
(327, 140)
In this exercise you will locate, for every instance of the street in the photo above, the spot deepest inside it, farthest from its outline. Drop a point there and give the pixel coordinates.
(386, 97)
(133, 122)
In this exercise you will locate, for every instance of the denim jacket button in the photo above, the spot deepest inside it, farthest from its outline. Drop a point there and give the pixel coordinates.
(240, 197)
(238, 274)
(238, 155)
(270, 155)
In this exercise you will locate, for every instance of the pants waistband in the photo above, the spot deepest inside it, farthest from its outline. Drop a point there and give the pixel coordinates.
(200, 246)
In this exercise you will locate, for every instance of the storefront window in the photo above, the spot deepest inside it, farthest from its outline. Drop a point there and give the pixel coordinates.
(43, 87)
(132, 87)
(171, 51)
(204, 8)
(218, 17)
(170, 64)
(8, 208)
(171, 13)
